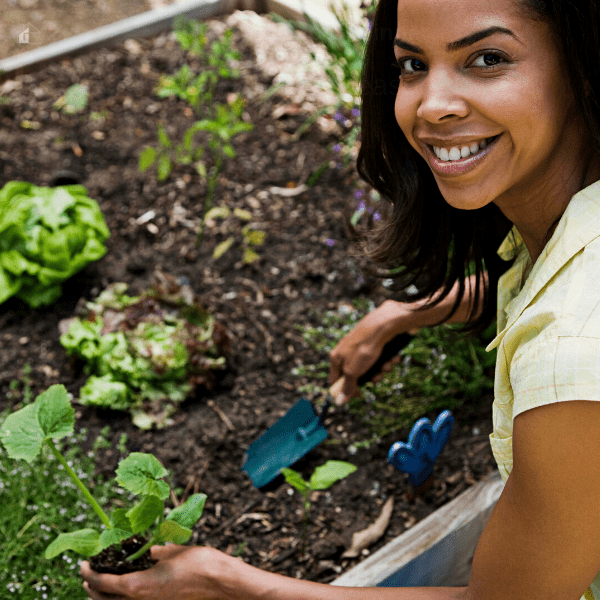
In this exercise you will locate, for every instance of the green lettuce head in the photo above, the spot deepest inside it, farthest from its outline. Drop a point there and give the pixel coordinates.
(46, 236)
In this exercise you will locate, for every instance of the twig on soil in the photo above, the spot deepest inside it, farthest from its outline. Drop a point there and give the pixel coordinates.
(222, 415)
(232, 519)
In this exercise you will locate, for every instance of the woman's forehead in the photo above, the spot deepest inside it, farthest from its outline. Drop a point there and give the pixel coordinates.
(428, 14)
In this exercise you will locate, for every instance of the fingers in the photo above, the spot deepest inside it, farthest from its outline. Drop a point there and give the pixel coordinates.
(94, 595)
(102, 586)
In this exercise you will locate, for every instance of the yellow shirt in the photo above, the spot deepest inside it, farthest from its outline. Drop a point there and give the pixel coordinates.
(549, 325)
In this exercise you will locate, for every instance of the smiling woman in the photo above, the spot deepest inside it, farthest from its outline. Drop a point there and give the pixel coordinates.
(480, 123)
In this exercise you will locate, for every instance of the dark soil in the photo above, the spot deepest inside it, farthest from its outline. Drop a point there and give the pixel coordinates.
(259, 304)
(111, 560)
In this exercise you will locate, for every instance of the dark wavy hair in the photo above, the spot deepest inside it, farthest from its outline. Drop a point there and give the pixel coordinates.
(432, 244)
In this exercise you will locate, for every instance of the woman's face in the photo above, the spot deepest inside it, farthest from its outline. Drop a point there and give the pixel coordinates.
(484, 98)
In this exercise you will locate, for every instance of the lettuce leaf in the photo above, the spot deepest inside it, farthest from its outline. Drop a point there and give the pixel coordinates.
(46, 236)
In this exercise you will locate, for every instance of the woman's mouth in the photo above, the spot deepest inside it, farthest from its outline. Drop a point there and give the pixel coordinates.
(458, 160)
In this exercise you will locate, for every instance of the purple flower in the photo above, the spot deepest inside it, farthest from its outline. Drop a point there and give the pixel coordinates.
(338, 116)
(339, 165)
(361, 206)
(371, 209)
(330, 242)
(358, 194)
(376, 216)
(360, 279)
(355, 112)
(337, 147)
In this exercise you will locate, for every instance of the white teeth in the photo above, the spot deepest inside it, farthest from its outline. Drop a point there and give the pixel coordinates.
(456, 153)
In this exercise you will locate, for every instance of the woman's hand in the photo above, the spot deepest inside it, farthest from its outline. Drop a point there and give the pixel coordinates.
(359, 350)
(182, 572)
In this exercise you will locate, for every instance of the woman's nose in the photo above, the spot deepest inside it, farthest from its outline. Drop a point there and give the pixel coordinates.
(442, 98)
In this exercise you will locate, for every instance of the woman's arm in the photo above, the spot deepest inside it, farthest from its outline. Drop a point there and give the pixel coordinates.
(357, 351)
(196, 573)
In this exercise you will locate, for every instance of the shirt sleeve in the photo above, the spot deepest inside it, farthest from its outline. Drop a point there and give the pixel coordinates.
(556, 370)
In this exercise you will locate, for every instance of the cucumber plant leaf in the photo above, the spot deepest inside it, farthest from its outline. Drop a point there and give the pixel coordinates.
(141, 474)
(170, 531)
(189, 512)
(143, 514)
(111, 536)
(22, 435)
(84, 541)
(55, 413)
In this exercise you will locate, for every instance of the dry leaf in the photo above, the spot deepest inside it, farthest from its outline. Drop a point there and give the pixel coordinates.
(363, 539)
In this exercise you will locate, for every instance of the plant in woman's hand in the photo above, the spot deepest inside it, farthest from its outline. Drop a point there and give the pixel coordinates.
(50, 417)
(322, 478)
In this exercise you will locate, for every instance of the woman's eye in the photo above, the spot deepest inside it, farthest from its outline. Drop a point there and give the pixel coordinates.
(408, 66)
(487, 60)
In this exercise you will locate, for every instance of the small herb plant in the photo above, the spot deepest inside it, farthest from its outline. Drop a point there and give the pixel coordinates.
(145, 354)
(221, 122)
(46, 236)
(27, 431)
(322, 478)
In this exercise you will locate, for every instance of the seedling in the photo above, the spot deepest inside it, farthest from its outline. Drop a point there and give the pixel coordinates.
(25, 432)
(251, 237)
(322, 478)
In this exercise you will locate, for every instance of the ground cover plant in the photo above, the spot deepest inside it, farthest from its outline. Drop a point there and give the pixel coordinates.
(146, 354)
(46, 236)
(322, 478)
(304, 265)
(51, 417)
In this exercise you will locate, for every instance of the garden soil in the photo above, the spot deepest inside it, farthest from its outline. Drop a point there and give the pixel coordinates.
(305, 266)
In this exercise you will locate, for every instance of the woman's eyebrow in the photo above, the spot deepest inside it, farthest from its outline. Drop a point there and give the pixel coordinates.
(459, 44)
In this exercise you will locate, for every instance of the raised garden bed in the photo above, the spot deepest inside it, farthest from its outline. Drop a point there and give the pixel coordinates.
(300, 270)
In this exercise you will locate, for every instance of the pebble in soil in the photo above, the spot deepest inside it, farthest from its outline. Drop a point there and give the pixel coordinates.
(114, 561)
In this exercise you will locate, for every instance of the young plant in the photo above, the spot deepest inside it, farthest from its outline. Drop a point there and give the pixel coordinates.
(322, 478)
(51, 417)
(221, 122)
(251, 237)
(75, 99)
(46, 236)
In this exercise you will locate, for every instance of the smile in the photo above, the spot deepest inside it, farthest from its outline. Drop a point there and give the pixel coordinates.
(458, 160)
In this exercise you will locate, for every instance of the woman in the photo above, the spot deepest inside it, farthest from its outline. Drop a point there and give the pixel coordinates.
(487, 124)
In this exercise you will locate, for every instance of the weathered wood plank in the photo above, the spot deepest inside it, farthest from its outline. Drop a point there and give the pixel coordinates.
(438, 551)
(160, 19)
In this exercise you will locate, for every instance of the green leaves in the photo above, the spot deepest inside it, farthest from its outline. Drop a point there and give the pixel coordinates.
(141, 474)
(322, 478)
(84, 541)
(22, 435)
(170, 531)
(188, 513)
(326, 475)
(46, 236)
(143, 515)
(50, 416)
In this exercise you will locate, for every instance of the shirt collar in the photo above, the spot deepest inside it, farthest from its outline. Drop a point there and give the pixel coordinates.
(578, 226)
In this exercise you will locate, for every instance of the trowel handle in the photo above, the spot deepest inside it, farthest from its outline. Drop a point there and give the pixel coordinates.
(391, 349)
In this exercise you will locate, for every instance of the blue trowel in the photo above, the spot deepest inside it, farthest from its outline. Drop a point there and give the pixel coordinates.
(301, 428)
